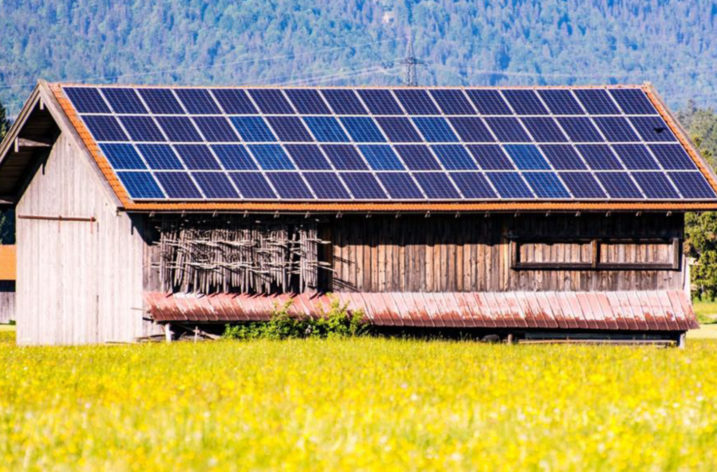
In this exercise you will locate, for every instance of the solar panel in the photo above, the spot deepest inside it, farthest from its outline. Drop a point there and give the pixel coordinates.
(378, 144)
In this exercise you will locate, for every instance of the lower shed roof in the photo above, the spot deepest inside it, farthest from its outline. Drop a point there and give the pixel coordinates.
(650, 310)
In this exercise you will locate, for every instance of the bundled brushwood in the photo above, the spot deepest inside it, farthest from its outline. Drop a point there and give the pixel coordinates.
(236, 255)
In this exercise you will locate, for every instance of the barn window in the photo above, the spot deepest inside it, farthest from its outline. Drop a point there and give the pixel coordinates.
(595, 254)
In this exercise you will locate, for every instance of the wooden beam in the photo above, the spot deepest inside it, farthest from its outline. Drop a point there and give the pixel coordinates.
(29, 143)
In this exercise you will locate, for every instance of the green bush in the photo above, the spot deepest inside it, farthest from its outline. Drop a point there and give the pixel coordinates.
(338, 321)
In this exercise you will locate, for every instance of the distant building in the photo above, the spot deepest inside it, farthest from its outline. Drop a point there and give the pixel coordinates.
(527, 213)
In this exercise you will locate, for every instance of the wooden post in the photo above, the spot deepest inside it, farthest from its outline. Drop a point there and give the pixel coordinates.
(168, 332)
(681, 340)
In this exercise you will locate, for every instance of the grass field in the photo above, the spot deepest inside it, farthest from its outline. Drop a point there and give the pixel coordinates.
(357, 404)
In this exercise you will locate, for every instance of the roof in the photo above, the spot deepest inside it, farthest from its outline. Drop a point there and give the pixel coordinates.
(653, 310)
(577, 148)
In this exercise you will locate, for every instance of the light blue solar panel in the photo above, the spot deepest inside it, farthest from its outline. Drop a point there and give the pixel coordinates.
(271, 157)
(452, 102)
(562, 156)
(599, 157)
(619, 185)
(380, 101)
(216, 129)
(326, 186)
(344, 157)
(197, 101)
(381, 157)
(490, 157)
(141, 128)
(509, 185)
(215, 185)
(363, 185)
(692, 185)
(160, 101)
(436, 185)
(400, 186)
(308, 157)
(289, 185)
(416, 102)
(471, 130)
(160, 156)
(508, 130)
(417, 157)
(526, 157)
(178, 185)
(197, 157)
(546, 185)
(635, 156)
(473, 185)
(140, 185)
(582, 185)
(124, 100)
(435, 130)
(104, 128)
(544, 130)
(252, 128)
(454, 157)
(122, 156)
(326, 129)
(655, 185)
(252, 185)
(179, 128)
(362, 129)
(86, 100)
(234, 157)
(399, 129)
(289, 129)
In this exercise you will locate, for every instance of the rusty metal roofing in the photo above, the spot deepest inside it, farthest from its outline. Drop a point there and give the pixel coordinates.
(657, 204)
(653, 310)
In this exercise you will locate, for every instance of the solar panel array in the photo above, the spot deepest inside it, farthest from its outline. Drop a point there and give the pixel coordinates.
(378, 144)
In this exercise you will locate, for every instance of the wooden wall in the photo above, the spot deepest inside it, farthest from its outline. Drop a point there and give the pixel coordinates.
(472, 252)
(77, 281)
(7, 301)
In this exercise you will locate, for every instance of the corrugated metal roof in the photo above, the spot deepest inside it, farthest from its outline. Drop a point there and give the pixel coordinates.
(653, 310)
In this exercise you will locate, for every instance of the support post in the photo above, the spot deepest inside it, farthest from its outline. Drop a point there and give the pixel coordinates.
(681, 340)
(168, 332)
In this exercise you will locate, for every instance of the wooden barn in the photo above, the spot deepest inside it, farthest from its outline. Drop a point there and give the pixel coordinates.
(524, 212)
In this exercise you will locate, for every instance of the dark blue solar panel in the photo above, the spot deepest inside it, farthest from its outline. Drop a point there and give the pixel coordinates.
(561, 102)
(692, 185)
(473, 185)
(160, 156)
(344, 157)
(197, 157)
(326, 186)
(416, 102)
(289, 185)
(124, 100)
(252, 185)
(454, 157)
(582, 185)
(86, 100)
(524, 102)
(490, 157)
(178, 185)
(509, 185)
(216, 129)
(308, 102)
(672, 156)
(653, 128)
(452, 102)
(271, 101)
(380, 101)
(343, 102)
(326, 129)
(179, 128)
(104, 128)
(436, 185)
(252, 128)
(289, 128)
(635, 156)
(122, 156)
(363, 185)
(271, 157)
(508, 130)
(435, 130)
(197, 101)
(362, 129)
(546, 185)
(234, 157)
(599, 157)
(619, 185)
(215, 184)
(655, 185)
(418, 157)
(161, 101)
(489, 102)
(141, 128)
(633, 101)
(526, 156)
(597, 102)
(400, 185)
(616, 129)
(580, 130)
(471, 130)
(308, 156)
(234, 102)
(563, 156)
(399, 129)
(140, 185)
(544, 130)
(381, 157)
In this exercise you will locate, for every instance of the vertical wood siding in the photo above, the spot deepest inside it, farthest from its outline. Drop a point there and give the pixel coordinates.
(77, 281)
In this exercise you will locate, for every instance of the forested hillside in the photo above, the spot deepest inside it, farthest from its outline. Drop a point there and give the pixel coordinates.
(672, 44)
